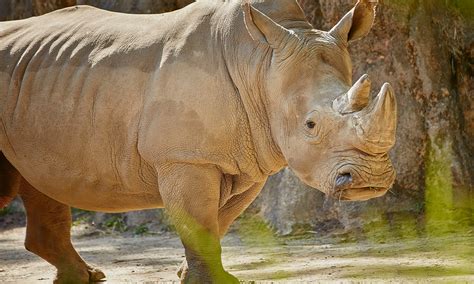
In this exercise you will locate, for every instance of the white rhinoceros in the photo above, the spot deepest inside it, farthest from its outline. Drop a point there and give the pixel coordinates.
(190, 110)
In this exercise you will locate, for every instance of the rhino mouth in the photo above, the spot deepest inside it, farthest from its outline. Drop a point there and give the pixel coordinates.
(360, 194)
(346, 189)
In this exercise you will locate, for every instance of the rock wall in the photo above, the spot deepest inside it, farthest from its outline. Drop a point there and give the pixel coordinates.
(425, 48)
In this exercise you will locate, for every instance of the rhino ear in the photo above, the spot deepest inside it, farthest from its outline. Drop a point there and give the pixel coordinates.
(357, 22)
(263, 29)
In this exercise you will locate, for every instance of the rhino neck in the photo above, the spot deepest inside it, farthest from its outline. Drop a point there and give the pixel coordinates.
(247, 64)
(255, 102)
(267, 153)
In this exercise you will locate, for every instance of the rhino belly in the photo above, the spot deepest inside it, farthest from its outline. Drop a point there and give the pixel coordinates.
(78, 168)
(87, 167)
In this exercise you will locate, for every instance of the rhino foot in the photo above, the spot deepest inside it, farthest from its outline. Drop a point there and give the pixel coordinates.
(195, 278)
(182, 269)
(90, 275)
(95, 274)
(71, 277)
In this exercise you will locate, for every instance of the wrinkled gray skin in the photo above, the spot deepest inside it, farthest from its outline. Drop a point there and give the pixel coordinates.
(190, 110)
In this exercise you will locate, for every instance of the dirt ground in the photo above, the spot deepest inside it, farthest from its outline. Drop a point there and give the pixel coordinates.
(155, 258)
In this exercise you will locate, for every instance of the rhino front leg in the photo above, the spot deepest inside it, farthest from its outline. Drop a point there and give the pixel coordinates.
(48, 236)
(191, 196)
(228, 213)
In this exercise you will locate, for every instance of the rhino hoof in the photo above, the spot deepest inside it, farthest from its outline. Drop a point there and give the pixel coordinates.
(194, 278)
(71, 278)
(95, 274)
(182, 270)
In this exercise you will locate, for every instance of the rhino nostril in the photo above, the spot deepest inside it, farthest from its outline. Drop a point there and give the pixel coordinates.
(343, 179)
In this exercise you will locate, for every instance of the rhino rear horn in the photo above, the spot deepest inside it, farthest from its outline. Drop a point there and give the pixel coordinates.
(356, 98)
(263, 29)
(357, 22)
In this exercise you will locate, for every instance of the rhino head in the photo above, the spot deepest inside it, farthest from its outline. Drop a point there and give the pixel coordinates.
(330, 132)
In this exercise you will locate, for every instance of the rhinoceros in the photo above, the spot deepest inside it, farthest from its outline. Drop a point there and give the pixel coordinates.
(191, 111)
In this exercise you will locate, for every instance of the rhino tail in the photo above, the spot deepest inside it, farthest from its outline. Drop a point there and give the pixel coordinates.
(9, 182)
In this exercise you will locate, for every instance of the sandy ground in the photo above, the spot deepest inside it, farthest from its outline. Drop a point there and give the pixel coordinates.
(155, 258)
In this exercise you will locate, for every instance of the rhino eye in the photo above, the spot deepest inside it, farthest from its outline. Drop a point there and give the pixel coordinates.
(310, 124)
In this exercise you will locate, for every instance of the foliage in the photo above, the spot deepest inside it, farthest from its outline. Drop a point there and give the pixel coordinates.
(466, 7)
(141, 230)
(444, 213)
(116, 223)
(5, 211)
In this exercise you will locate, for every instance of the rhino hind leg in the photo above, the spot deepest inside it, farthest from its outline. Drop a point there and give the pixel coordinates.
(9, 181)
(48, 236)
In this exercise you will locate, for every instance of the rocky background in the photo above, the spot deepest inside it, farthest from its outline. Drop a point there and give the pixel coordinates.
(425, 48)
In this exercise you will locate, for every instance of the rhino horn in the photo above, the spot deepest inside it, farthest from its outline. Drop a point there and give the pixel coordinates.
(356, 98)
(263, 29)
(376, 125)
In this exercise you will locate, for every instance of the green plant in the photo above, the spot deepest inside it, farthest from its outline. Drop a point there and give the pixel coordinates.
(141, 230)
(116, 224)
(5, 211)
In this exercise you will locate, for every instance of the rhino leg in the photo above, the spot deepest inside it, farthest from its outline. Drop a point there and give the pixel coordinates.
(191, 196)
(48, 236)
(9, 181)
(227, 215)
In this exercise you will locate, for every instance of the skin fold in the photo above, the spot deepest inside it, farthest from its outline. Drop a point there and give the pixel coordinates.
(190, 110)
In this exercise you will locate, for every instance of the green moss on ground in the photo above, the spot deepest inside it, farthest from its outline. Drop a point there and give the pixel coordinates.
(253, 231)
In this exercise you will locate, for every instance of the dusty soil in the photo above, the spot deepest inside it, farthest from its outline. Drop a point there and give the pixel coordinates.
(155, 258)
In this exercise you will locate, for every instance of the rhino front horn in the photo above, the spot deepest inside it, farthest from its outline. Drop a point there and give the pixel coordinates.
(376, 125)
(356, 98)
